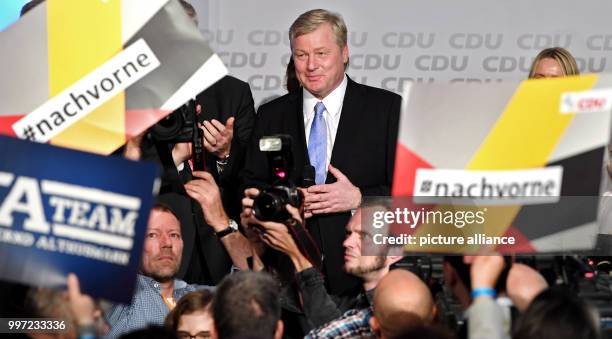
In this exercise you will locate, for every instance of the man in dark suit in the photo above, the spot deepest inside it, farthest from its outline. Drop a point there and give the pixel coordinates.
(226, 113)
(205, 258)
(345, 130)
(222, 106)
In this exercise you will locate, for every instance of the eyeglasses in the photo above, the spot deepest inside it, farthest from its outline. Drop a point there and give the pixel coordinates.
(199, 335)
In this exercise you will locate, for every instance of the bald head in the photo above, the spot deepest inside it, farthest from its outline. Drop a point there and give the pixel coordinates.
(523, 285)
(401, 301)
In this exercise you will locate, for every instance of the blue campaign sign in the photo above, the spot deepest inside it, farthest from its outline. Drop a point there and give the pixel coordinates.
(9, 12)
(65, 211)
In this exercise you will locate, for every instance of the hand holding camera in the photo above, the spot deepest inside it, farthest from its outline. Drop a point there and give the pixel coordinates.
(276, 235)
(275, 211)
(247, 219)
(205, 191)
(132, 147)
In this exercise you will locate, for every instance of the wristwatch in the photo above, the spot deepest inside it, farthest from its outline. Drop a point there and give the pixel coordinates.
(224, 160)
(233, 227)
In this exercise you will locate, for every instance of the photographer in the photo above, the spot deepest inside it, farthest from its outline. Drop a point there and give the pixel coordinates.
(210, 134)
(308, 294)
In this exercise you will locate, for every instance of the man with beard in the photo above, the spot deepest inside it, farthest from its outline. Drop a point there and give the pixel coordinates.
(318, 306)
(156, 291)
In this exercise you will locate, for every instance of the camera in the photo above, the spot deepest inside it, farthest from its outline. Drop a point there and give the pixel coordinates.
(178, 126)
(269, 205)
(182, 126)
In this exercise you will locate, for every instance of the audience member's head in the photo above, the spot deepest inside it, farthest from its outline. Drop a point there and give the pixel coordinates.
(557, 314)
(192, 316)
(401, 302)
(71, 306)
(423, 332)
(29, 6)
(356, 261)
(246, 304)
(150, 332)
(50, 303)
(553, 62)
(163, 245)
(191, 12)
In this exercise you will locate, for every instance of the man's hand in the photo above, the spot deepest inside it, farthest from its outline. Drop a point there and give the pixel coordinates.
(132, 147)
(278, 236)
(218, 137)
(205, 191)
(340, 196)
(247, 218)
(82, 306)
(181, 152)
(523, 285)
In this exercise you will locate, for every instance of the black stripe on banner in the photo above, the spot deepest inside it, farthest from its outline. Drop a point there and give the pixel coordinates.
(579, 198)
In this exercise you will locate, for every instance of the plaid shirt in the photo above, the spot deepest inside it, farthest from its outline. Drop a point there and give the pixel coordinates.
(147, 307)
(353, 324)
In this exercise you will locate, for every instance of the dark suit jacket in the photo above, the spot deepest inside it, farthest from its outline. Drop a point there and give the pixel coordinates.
(226, 98)
(364, 150)
(229, 97)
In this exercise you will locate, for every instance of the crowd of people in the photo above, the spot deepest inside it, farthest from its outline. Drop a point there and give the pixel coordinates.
(211, 266)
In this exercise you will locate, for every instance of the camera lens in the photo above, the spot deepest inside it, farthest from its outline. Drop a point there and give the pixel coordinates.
(267, 206)
(168, 127)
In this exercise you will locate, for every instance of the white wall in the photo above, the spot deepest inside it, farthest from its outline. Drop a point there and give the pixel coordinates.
(394, 41)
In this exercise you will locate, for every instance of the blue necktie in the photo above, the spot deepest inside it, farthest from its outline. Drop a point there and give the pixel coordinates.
(317, 144)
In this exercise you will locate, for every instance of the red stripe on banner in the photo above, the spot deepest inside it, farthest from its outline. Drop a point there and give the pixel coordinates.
(139, 120)
(521, 242)
(406, 164)
(6, 123)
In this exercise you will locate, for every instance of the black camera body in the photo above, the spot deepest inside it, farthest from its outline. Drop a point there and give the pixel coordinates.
(178, 126)
(269, 205)
(182, 126)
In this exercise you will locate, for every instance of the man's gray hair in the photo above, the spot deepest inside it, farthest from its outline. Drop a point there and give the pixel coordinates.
(308, 22)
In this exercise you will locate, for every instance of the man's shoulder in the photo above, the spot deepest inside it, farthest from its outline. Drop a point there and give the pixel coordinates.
(352, 324)
(183, 288)
(229, 83)
(279, 104)
(372, 92)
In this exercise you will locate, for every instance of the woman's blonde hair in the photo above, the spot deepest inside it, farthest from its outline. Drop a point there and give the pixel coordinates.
(561, 55)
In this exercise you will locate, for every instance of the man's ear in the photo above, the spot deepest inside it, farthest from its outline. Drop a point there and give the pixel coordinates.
(375, 326)
(280, 327)
(395, 252)
(213, 332)
(394, 258)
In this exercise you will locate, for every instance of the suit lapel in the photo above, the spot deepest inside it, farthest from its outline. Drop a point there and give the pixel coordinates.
(299, 125)
(347, 127)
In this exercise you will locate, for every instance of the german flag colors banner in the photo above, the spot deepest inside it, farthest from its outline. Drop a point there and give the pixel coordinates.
(512, 167)
(91, 74)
